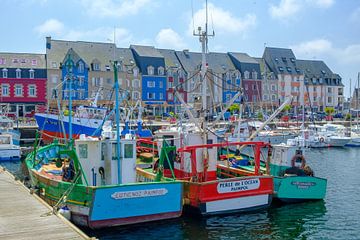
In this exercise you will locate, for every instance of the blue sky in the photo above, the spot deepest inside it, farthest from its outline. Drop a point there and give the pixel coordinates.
(326, 30)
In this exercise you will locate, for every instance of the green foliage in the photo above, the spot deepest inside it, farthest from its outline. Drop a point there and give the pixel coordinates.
(287, 108)
(329, 110)
(234, 107)
(347, 116)
(260, 116)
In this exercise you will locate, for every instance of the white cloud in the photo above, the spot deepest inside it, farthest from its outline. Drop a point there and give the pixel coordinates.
(313, 47)
(50, 26)
(322, 3)
(320, 48)
(168, 38)
(224, 21)
(286, 8)
(114, 8)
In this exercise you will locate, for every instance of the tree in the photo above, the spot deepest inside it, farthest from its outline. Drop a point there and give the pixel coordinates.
(287, 108)
(329, 110)
(234, 107)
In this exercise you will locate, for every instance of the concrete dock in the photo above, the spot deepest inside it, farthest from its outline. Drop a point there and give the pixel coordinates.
(24, 215)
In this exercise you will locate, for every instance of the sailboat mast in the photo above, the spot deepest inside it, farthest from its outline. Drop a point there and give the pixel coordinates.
(69, 68)
(117, 111)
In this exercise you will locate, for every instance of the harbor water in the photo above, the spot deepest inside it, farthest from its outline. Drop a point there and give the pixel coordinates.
(337, 217)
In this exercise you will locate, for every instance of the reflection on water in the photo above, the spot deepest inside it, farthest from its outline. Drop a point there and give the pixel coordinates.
(337, 217)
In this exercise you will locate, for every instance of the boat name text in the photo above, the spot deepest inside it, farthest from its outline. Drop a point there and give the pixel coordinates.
(139, 193)
(238, 186)
(303, 185)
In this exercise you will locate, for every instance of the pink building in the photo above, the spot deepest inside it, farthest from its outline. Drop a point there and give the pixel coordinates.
(22, 82)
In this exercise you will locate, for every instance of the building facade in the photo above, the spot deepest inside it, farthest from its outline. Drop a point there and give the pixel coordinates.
(175, 81)
(250, 74)
(22, 82)
(151, 64)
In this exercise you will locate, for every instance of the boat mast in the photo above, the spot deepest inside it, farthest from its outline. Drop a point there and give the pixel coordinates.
(117, 119)
(69, 67)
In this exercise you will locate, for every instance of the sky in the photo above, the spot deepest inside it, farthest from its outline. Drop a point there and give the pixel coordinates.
(327, 30)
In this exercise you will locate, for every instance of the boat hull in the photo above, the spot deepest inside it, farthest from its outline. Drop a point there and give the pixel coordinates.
(9, 154)
(338, 141)
(50, 125)
(115, 205)
(293, 189)
(227, 196)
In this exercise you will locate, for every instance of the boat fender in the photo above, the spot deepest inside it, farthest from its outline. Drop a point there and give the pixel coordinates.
(296, 157)
(65, 211)
(322, 139)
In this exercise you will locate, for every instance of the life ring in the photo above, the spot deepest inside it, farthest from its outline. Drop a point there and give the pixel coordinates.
(322, 139)
(298, 156)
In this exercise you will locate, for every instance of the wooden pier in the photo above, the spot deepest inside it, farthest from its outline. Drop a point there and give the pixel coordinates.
(26, 216)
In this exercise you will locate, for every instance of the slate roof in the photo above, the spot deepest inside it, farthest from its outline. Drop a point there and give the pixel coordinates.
(318, 69)
(22, 60)
(88, 51)
(243, 62)
(146, 51)
(126, 56)
(217, 62)
(281, 60)
(243, 57)
(170, 58)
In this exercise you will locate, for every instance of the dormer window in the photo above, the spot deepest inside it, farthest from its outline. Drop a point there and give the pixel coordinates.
(32, 73)
(150, 70)
(96, 66)
(254, 75)
(237, 74)
(161, 71)
(81, 67)
(284, 59)
(323, 72)
(107, 67)
(289, 69)
(297, 70)
(276, 59)
(246, 75)
(18, 73)
(135, 72)
(4, 73)
(281, 69)
(292, 60)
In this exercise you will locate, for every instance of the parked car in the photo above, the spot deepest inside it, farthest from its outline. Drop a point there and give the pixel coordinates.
(339, 115)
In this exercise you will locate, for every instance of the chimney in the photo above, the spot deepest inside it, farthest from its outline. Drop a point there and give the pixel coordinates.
(48, 42)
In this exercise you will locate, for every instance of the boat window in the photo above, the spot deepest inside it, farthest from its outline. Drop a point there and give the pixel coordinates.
(128, 150)
(83, 148)
(5, 140)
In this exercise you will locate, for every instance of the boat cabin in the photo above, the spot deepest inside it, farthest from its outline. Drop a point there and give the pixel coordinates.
(99, 161)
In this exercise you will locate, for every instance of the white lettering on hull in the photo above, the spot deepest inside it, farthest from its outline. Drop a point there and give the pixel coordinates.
(139, 193)
(238, 186)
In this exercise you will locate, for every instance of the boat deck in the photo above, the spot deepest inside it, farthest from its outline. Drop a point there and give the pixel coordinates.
(24, 216)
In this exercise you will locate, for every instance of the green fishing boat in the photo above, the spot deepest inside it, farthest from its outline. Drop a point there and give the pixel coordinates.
(294, 181)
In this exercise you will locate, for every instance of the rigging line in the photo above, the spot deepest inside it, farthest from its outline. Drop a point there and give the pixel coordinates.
(236, 88)
(188, 79)
(231, 84)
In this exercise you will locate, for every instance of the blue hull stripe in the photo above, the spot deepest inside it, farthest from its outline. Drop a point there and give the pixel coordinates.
(53, 125)
(110, 203)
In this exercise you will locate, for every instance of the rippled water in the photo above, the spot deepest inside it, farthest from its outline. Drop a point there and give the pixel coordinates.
(337, 217)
